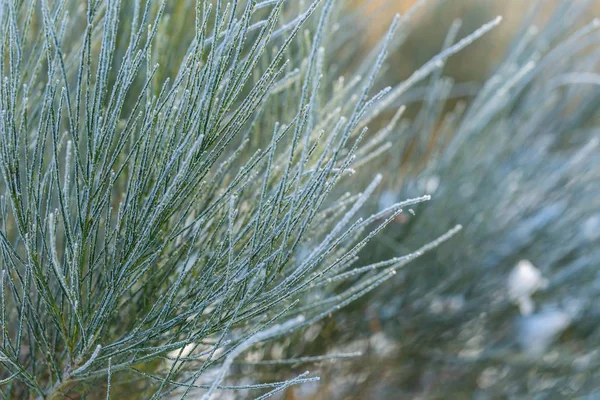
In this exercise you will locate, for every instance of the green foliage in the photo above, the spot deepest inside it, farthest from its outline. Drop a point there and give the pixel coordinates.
(518, 164)
(168, 188)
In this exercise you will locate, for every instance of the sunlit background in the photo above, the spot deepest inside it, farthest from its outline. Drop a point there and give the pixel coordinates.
(508, 308)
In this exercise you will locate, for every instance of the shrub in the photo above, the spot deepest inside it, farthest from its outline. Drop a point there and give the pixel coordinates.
(173, 188)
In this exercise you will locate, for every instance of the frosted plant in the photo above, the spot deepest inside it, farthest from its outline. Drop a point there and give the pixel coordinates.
(162, 165)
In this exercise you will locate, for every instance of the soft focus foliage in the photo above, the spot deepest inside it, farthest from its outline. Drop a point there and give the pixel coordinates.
(518, 165)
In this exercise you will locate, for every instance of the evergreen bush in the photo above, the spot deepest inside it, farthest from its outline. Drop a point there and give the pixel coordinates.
(175, 188)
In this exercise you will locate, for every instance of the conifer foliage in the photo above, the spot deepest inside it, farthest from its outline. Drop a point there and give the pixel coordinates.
(174, 180)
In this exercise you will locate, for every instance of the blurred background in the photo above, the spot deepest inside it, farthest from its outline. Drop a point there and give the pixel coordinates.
(504, 137)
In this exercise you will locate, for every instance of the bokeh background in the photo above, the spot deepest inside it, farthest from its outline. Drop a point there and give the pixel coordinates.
(504, 137)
